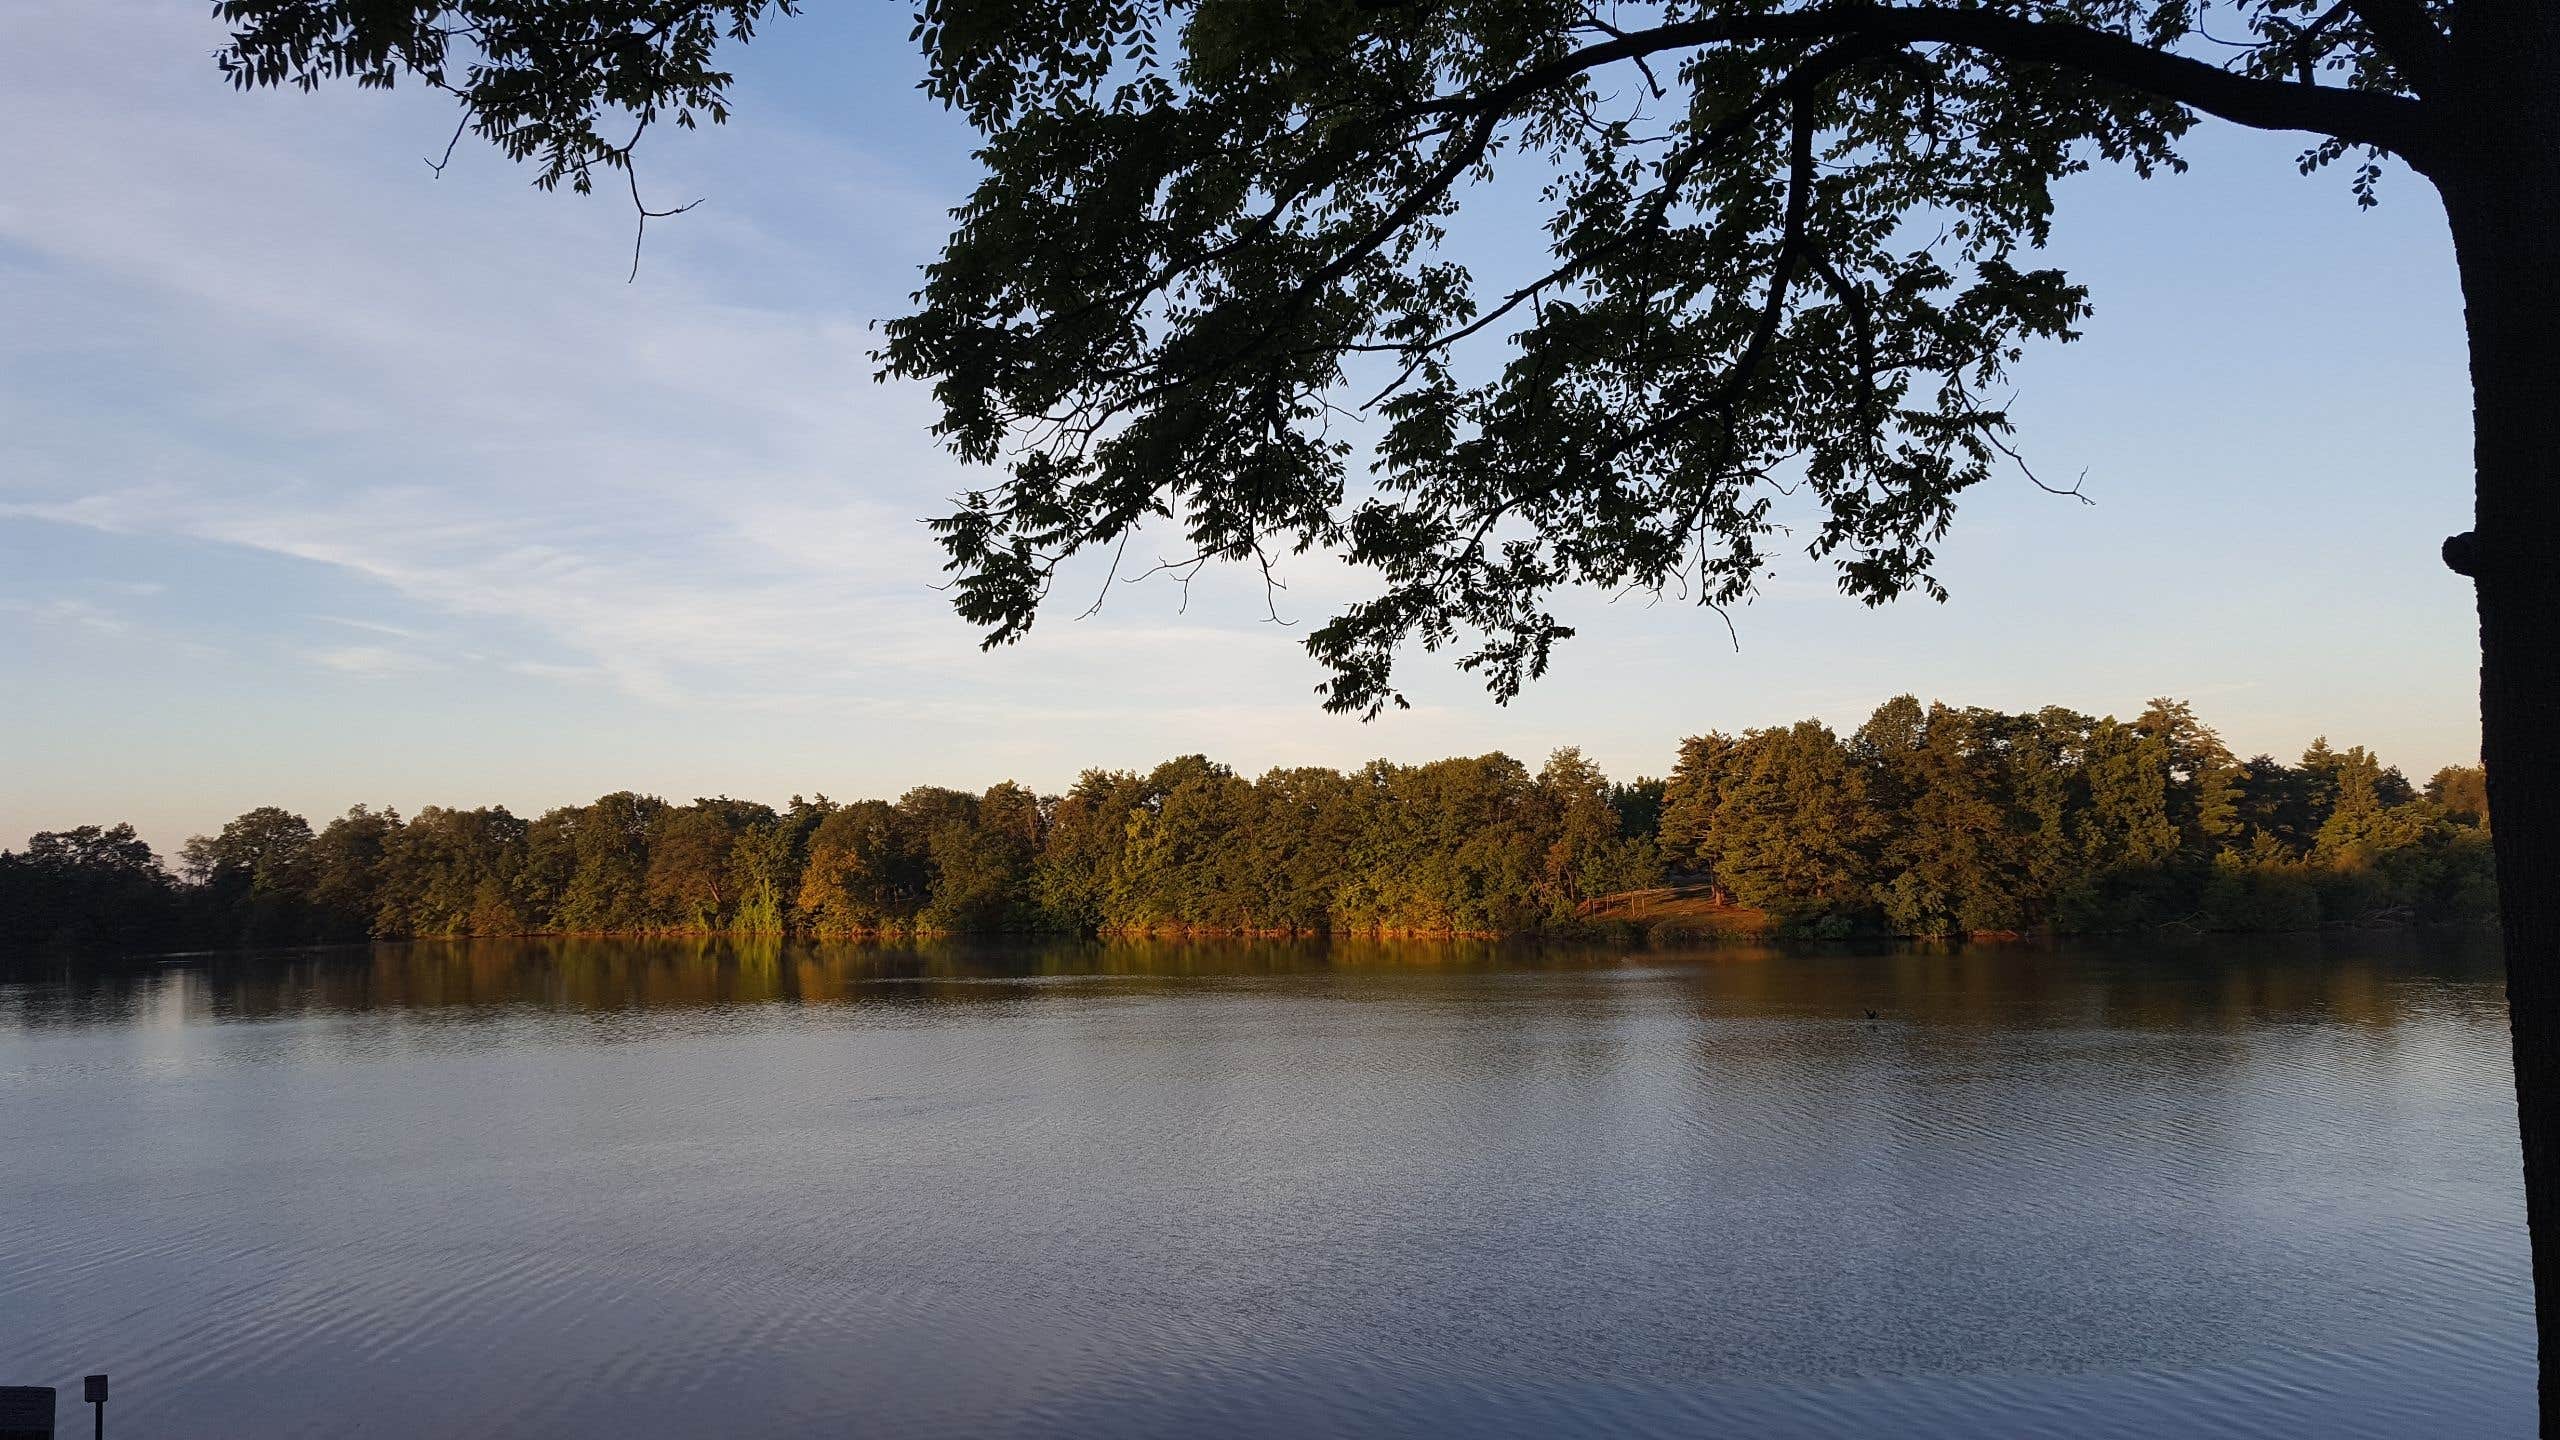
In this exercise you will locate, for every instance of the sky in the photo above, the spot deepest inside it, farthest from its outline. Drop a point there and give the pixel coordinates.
(326, 479)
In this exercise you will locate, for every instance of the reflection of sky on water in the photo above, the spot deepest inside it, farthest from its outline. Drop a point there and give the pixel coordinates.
(593, 1187)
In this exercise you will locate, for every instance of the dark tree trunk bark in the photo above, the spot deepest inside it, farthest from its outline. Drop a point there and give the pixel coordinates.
(2501, 183)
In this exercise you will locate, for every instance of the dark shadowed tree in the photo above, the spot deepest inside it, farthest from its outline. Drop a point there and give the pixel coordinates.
(346, 871)
(2279, 801)
(2124, 837)
(266, 849)
(987, 885)
(1792, 243)
(97, 888)
(1639, 806)
(256, 875)
(968, 845)
(453, 872)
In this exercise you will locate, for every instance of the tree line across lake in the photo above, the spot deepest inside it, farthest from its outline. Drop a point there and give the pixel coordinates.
(1924, 821)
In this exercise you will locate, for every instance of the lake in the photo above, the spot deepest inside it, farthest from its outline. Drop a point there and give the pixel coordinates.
(2229, 1188)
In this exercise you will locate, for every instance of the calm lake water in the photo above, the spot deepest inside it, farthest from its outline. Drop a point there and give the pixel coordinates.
(602, 1189)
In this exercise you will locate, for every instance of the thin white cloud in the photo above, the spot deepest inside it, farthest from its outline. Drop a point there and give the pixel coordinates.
(372, 662)
(69, 612)
(396, 632)
(437, 387)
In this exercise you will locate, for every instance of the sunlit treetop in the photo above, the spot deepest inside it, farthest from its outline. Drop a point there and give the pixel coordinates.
(1789, 248)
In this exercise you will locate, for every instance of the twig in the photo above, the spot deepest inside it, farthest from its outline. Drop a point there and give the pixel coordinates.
(641, 232)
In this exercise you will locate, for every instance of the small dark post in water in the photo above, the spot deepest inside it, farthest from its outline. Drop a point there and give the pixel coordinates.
(26, 1412)
(93, 1388)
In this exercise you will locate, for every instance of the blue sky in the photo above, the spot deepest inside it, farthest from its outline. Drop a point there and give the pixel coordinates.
(325, 480)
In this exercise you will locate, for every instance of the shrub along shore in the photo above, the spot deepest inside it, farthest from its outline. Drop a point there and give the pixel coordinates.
(1927, 820)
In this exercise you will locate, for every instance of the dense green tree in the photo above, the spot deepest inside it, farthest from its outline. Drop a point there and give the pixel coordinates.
(605, 846)
(694, 881)
(346, 871)
(1689, 800)
(454, 872)
(1951, 860)
(1073, 880)
(1794, 827)
(1455, 849)
(2463, 791)
(865, 871)
(2125, 839)
(2205, 777)
(2267, 886)
(2371, 809)
(1639, 805)
(1586, 855)
(1182, 858)
(970, 846)
(765, 862)
(256, 875)
(982, 868)
(1307, 824)
(2465, 887)
(551, 866)
(2047, 751)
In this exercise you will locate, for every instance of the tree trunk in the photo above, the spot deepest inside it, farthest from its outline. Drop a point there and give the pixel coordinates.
(2502, 196)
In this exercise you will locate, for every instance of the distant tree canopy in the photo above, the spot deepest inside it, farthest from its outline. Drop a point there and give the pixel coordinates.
(1926, 821)
(1947, 821)
(96, 888)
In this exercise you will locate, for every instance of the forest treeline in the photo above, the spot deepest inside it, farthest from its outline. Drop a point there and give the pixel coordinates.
(1925, 821)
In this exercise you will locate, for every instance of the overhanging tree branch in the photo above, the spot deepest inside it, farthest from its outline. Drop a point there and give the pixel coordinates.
(2408, 35)
(2358, 117)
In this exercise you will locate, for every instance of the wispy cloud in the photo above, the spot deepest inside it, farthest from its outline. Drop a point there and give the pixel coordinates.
(438, 387)
(73, 613)
(372, 662)
(396, 632)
